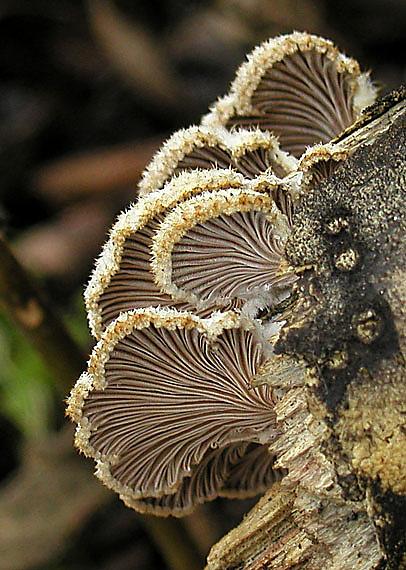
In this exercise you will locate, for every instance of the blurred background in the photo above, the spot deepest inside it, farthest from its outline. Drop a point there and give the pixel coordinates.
(89, 90)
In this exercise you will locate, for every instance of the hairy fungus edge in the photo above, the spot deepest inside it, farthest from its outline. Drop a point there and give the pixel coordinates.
(94, 378)
(133, 219)
(185, 141)
(188, 214)
(238, 101)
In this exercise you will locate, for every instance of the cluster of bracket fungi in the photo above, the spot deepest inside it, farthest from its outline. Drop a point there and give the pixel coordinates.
(193, 286)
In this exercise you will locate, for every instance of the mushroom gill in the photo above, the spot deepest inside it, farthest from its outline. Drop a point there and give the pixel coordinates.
(250, 152)
(164, 387)
(122, 279)
(254, 473)
(205, 484)
(238, 470)
(225, 245)
(299, 87)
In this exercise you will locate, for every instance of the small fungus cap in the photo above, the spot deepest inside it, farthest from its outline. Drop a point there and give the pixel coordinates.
(239, 470)
(122, 279)
(236, 237)
(249, 152)
(299, 87)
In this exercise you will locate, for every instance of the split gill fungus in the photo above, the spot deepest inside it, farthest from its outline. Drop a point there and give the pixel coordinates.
(193, 287)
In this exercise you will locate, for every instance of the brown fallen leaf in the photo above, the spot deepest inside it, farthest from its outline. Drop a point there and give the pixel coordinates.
(135, 54)
(63, 247)
(94, 172)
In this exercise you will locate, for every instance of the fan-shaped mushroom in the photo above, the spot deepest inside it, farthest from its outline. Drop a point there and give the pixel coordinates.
(204, 483)
(236, 471)
(173, 407)
(162, 389)
(225, 245)
(320, 161)
(299, 87)
(250, 152)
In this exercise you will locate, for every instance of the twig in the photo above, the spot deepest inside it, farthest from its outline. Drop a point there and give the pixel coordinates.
(95, 172)
(26, 305)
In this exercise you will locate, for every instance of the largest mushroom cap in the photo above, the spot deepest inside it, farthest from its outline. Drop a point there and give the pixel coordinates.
(299, 87)
(164, 387)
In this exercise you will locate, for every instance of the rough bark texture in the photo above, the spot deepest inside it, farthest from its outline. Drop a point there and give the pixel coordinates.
(343, 503)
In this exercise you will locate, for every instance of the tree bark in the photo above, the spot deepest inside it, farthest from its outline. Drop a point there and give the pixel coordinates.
(342, 504)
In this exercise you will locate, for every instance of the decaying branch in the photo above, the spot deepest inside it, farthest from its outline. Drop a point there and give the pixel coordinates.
(343, 503)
